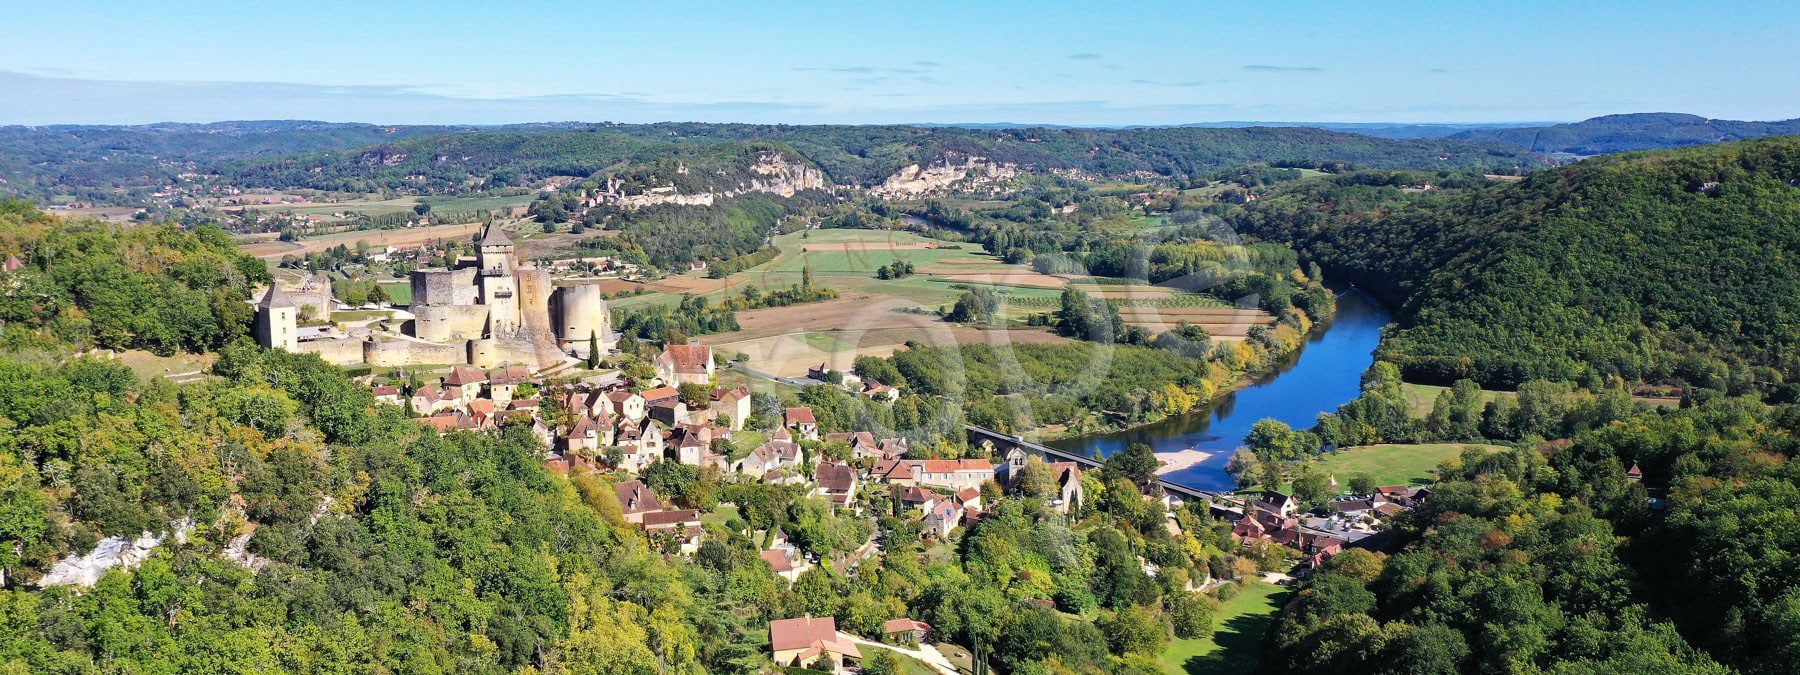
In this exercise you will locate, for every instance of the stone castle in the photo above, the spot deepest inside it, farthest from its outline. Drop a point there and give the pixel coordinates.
(490, 312)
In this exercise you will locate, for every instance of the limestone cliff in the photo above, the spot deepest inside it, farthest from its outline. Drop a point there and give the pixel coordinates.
(951, 173)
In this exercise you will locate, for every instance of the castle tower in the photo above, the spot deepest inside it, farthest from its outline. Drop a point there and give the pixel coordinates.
(580, 313)
(494, 252)
(535, 290)
(277, 320)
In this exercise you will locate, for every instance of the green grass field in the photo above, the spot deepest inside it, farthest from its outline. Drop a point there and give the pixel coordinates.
(1392, 464)
(1236, 645)
(399, 294)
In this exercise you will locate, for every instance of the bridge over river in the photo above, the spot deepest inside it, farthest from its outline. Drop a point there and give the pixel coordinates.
(1003, 442)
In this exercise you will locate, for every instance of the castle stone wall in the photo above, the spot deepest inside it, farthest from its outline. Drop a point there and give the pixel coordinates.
(335, 351)
(440, 323)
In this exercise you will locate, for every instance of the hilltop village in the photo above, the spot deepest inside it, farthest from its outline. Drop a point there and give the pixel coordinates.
(668, 443)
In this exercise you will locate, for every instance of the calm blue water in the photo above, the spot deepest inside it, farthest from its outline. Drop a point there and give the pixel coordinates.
(1326, 374)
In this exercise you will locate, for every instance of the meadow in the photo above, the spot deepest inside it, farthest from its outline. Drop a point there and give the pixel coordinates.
(1236, 645)
(1393, 464)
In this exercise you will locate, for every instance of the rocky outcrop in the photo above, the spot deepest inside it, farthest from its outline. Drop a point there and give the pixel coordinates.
(773, 173)
(971, 174)
(111, 552)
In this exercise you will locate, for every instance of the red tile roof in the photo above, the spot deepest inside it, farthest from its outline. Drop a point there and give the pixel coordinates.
(462, 375)
(801, 415)
(778, 559)
(689, 359)
(903, 626)
(660, 394)
(802, 633)
(636, 497)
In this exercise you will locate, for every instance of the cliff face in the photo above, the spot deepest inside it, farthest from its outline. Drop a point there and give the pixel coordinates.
(970, 174)
(771, 172)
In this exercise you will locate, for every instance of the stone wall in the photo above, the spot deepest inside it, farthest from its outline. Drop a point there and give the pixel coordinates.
(402, 352)
(442, 323)
(335, 351)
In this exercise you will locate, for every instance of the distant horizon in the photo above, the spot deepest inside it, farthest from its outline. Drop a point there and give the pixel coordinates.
(966, 124)
(1139, 63)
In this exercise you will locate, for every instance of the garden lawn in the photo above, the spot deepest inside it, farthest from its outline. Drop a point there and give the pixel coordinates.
(1236, 645)
(1392, 464)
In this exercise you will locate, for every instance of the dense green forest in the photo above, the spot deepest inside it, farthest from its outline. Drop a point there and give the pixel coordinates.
(1626, 133)
(122, 164)
(1552, 560)
(1666, 267)
(111, 286)
(117, 164)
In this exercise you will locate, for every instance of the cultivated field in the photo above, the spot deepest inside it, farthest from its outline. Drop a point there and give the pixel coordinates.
(877, 317)
(375, 238)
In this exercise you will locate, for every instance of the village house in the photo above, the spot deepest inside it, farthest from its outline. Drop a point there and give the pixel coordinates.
(682, 526)
(467, 381)
(502, 382)
(837, 482)
(685, 364)
(879, 392)
(801, 421)
(953, 474)
(943, 518)
(730, 405)
(806, 641)
(785, 562)
(905, 631)
(1069, 492)
(590, 434)
(386, 393)
(894, 472)
(670, 412)
(636, 499)
(627, 405)
(639, 445)
(768, 458)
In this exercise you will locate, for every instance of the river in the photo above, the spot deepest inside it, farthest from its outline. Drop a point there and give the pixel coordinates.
(1325, 374)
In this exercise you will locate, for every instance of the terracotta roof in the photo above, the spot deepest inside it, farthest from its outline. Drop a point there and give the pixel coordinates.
(510, 375)
(835, 477)
(428, 392)
(801, 415)
(636, 497)
(903, 626)
(442, 423)
(778, 559)
(384, 390)
(463, 375)
(671, 518)
(689, 359)
(893, 469)
(660, 394)
(953, 465)
(809, 632)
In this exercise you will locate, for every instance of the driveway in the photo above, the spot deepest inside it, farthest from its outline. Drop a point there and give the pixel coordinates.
(924, 653)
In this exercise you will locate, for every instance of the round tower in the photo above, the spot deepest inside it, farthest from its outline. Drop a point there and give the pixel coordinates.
(582, 313)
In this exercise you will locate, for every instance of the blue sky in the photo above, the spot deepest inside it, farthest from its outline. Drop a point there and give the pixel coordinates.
(1042, 62)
